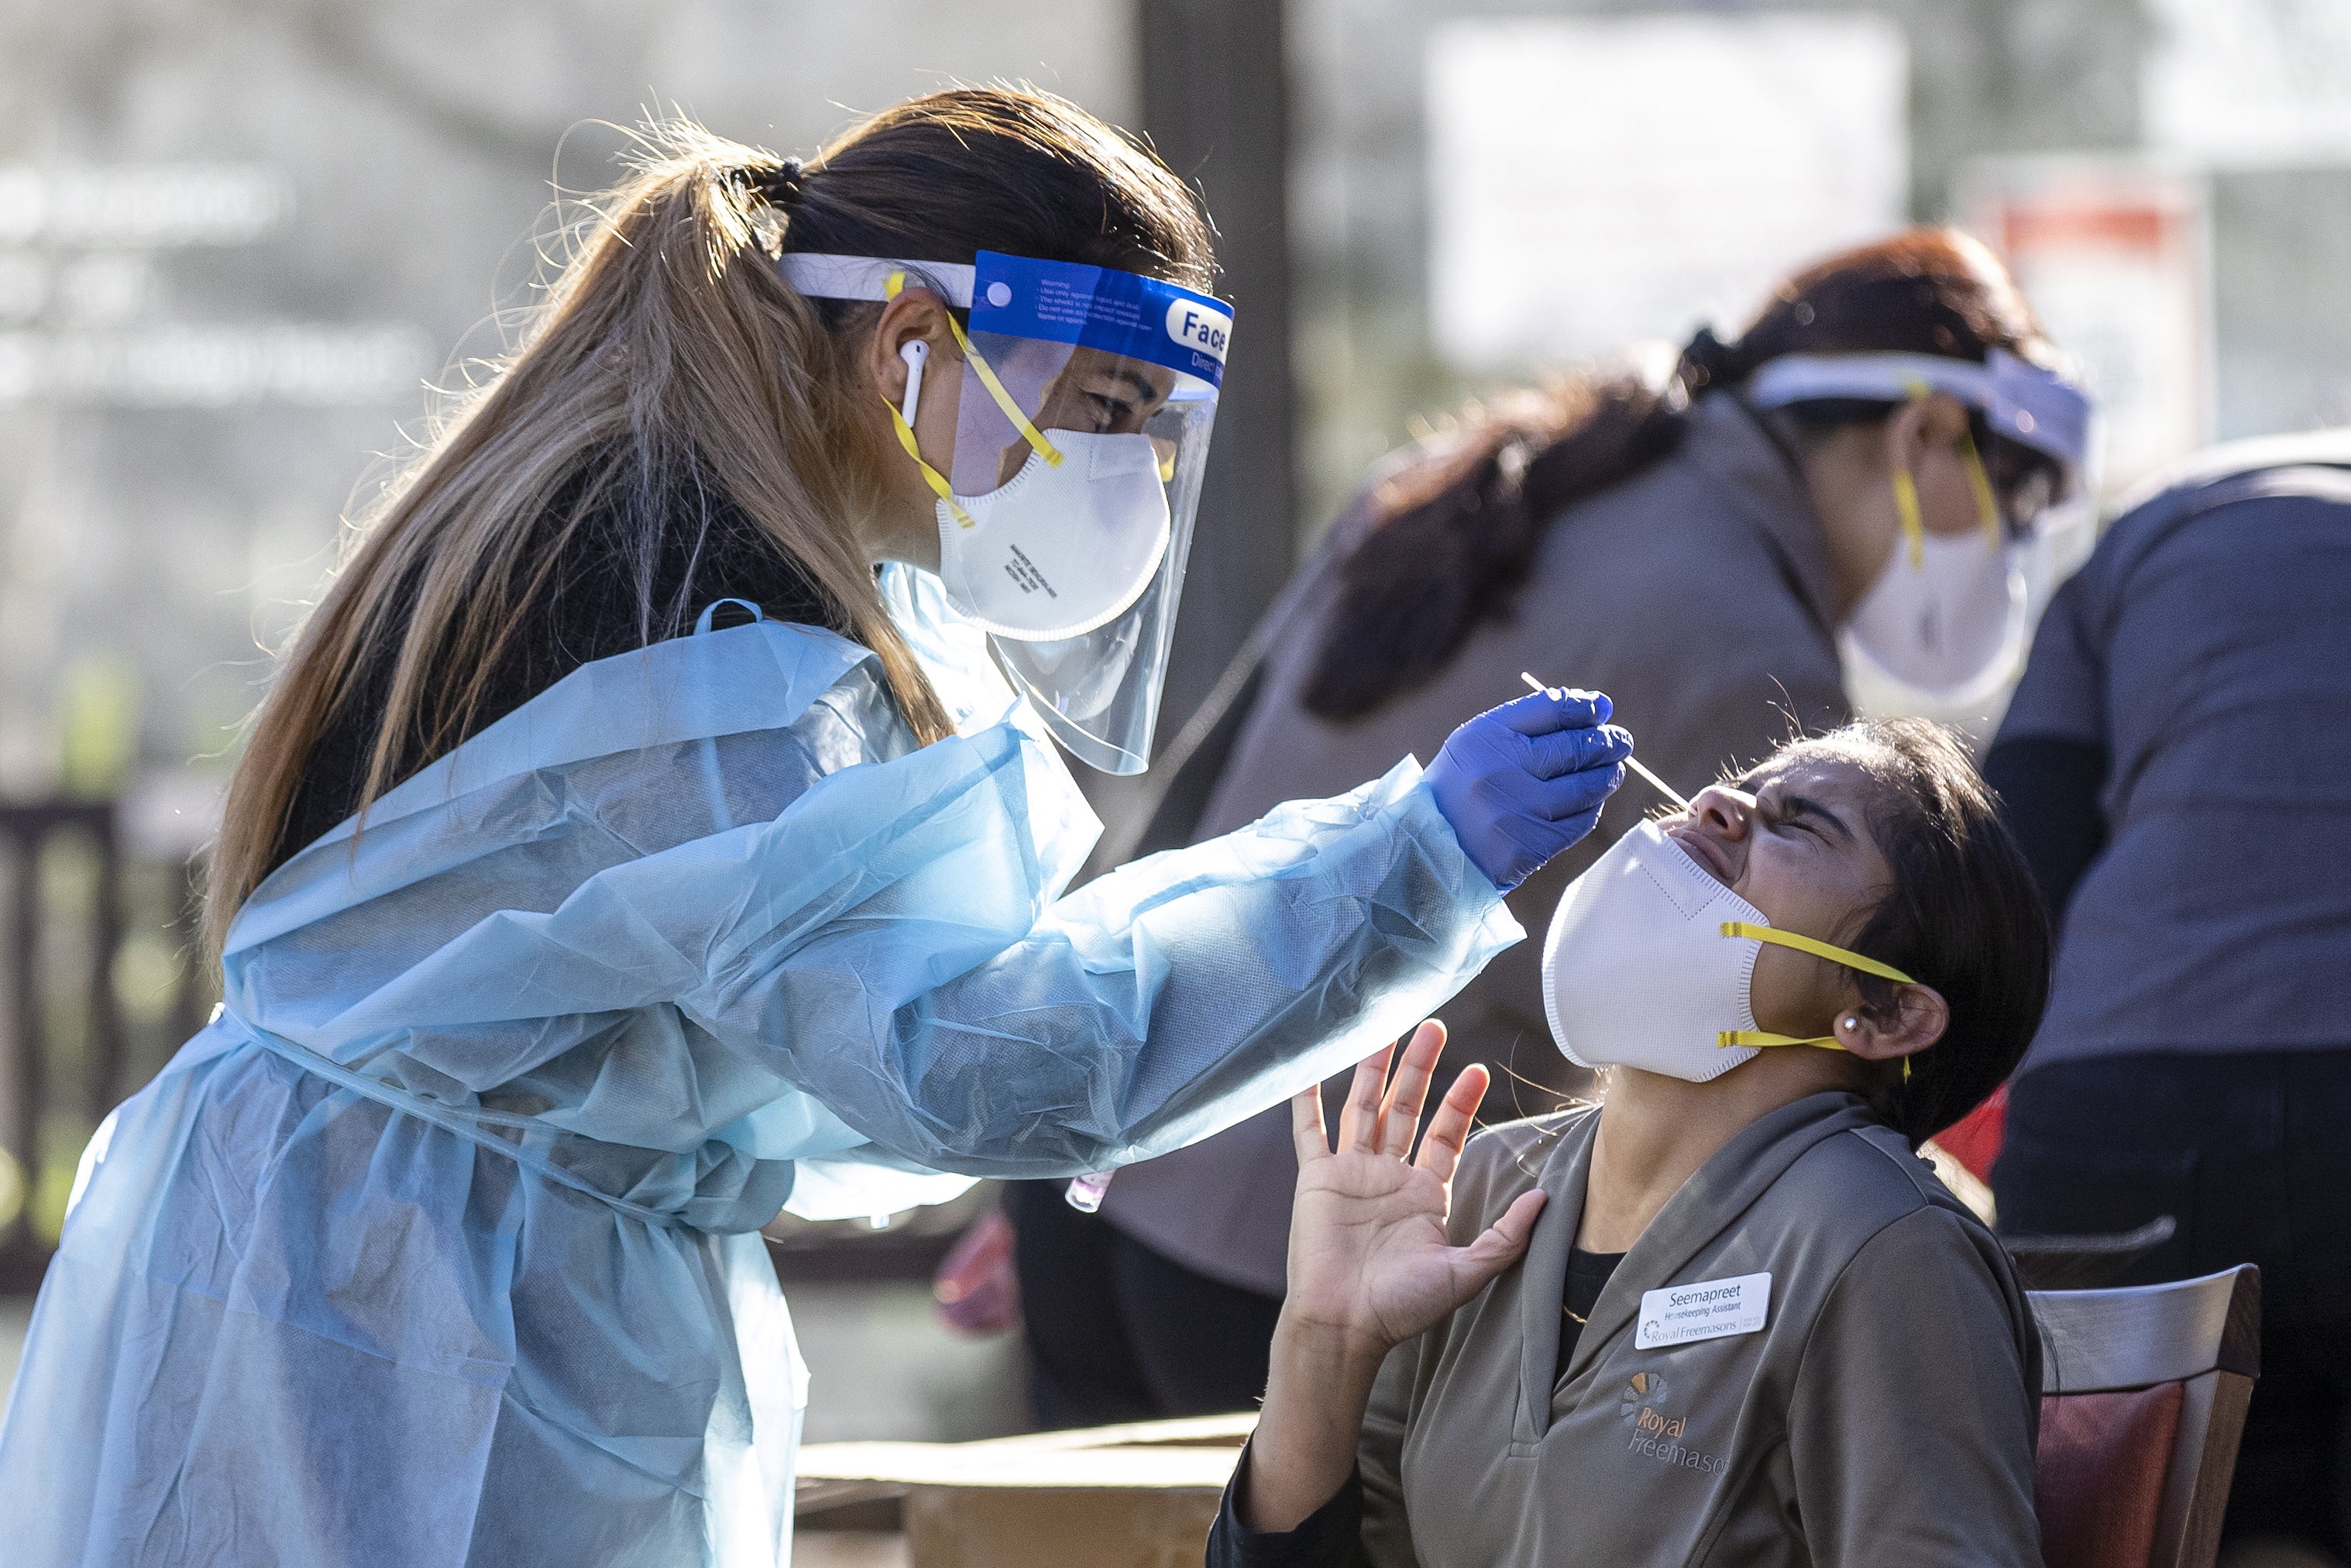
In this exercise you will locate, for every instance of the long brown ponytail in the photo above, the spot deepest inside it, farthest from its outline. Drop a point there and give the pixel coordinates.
(669, 354)
(1455, 535)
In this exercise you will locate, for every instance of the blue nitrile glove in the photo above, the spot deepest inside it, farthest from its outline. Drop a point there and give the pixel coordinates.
(1522, 781)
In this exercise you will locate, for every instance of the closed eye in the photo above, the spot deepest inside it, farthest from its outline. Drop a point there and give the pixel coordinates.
(1798, 811)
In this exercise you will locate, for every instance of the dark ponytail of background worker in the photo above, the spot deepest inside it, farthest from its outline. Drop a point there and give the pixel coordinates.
(1698, 550)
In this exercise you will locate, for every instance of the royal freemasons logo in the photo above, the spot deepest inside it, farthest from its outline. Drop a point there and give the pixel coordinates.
(1644, 1392)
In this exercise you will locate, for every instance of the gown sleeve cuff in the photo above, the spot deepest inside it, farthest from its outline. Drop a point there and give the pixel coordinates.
(1330, 1537)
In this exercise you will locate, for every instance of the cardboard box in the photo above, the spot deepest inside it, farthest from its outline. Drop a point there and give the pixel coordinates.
(1141, 1496)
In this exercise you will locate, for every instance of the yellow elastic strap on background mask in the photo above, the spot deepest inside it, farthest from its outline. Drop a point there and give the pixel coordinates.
(1979, 480)
(1818, 949)
(1906, 500)
(1905, 506)
(996, 389)
(1905, 493)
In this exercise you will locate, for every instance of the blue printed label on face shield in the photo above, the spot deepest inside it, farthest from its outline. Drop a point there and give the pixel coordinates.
(1200, 327)
(1117, 312)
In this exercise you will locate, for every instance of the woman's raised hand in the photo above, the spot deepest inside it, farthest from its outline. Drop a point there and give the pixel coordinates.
(1369, 1267)
(1369, 1260)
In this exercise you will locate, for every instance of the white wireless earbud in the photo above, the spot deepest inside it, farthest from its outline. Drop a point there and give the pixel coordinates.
(916, 353)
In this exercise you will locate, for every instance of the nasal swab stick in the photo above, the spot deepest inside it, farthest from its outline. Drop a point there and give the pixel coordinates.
(1635, 763)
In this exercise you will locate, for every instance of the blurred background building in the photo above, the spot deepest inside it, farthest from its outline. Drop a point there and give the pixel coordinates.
(240, 239)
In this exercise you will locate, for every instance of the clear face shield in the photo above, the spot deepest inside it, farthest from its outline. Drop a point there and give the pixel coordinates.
(1948, 618)
(1065, 516)
(2037, 419)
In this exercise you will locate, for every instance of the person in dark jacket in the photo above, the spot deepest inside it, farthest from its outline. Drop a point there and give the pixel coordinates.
(2177, 763)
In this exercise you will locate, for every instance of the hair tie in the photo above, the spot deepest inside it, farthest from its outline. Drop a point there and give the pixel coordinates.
(1708, 361)
(781, 185)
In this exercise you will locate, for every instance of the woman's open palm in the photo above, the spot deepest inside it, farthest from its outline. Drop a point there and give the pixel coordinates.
(1368, 1253)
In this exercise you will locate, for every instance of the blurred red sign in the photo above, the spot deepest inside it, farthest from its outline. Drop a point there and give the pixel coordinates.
(2113, 253)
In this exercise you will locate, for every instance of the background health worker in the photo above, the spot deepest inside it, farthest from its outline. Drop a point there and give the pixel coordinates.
(1853, 469)
(638, 838)
(2177, 763)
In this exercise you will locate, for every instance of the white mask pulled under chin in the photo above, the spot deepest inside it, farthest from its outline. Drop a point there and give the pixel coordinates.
(1650, 963)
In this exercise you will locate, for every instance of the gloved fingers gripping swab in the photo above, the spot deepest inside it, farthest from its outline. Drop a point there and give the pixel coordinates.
(1635, 763)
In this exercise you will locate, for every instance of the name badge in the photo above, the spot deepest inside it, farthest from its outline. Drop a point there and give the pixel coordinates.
(1712, 1309)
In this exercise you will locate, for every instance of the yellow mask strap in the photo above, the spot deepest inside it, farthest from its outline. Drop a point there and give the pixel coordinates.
(1979, 481)
(1756, 1037)
(1818, 949)
(1905, 506)
(1906, 500)
(936, 480)
(1905, 493)
(996, 389)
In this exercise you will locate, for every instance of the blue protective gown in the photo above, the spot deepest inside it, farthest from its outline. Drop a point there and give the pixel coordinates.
(439, 1245)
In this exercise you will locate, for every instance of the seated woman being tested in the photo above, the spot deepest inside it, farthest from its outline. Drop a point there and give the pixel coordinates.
(1726, 1316)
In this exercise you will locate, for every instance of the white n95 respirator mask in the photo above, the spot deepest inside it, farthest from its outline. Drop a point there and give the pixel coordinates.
(1065, 547)
(1650, 963)
(1947, 616)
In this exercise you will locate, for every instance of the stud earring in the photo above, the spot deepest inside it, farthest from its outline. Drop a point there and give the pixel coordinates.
(1853, 1023)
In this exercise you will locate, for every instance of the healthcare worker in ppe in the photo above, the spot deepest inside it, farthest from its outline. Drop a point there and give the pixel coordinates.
(1848, 484)
(640, 839)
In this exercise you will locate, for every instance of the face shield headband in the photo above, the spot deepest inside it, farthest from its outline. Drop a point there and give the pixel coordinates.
(1066, 510)
(2021, 401)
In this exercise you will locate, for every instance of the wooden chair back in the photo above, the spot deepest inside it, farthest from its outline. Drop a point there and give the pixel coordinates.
(2143, 1394)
